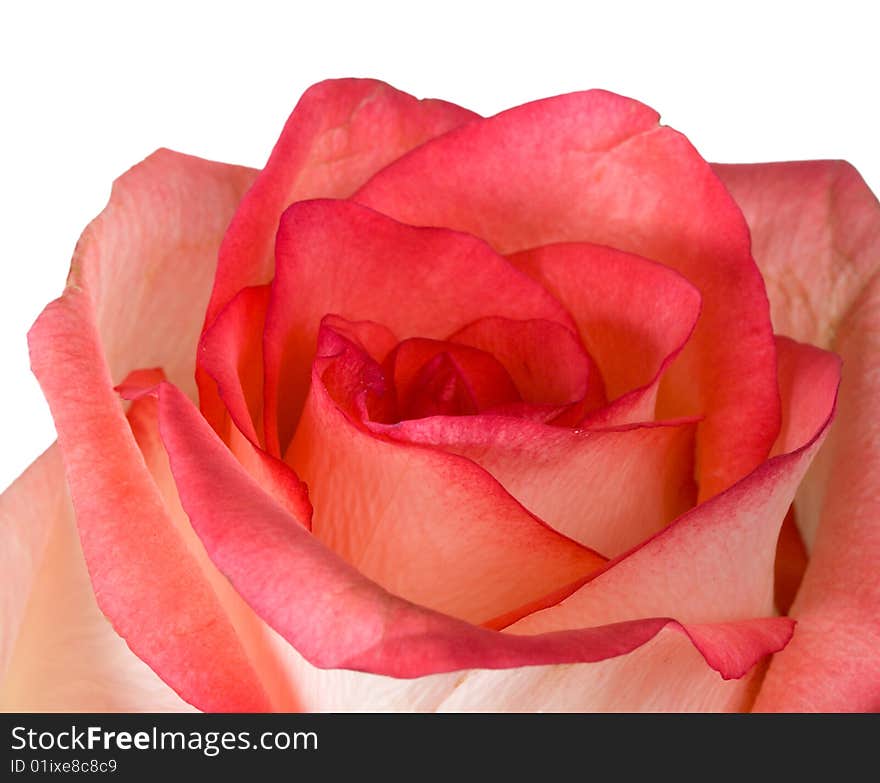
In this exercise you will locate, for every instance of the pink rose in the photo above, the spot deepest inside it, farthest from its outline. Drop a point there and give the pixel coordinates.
(468, 414)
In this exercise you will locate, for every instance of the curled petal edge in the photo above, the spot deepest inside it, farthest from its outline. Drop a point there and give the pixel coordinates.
(286, 575)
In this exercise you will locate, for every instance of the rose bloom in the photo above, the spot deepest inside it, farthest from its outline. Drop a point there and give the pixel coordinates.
(438, 412)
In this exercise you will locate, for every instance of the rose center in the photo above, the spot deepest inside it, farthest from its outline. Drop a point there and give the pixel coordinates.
(440, 378)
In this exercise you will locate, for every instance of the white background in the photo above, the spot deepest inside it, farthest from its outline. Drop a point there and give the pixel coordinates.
(90, 88)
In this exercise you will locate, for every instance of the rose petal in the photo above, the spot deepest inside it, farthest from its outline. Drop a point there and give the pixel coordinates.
(667, 674)
(428, 526)
(716, 562)
(547, 362)
(341, 132)
(335, 617)
(375, 339)
(816, 232)
(834, 665)
(231, 352)
(340, 258)
(633, 315)
(139, 383)
(162, 225)
(251, 632)
(433, 375)
(814, 227)
(59, 653)
(595, 167)
(791, 562)
(806, 373)
(607, 489)
(149, 258)
(345, 690)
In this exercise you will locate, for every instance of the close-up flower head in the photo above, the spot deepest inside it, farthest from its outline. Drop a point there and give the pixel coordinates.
(539, 411)
(378, 358)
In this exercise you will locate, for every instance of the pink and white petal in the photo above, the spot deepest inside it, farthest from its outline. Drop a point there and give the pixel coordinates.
(607, 489)
(715, 564)
(667, 674)
(337, 257)
(633, 315)
(816, 233)
(346, 690)
(272, 473)
(597, 167)
(148, 261)
(791, 562)
(429, 526)
(814, 227)
(254, 635)
(59, 653)
(28, 510)
(146, 581)
(337, 618)
(140, 276)
(341, 132)
(834, 665)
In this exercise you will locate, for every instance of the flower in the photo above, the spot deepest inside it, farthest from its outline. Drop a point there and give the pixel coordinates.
(466, 414)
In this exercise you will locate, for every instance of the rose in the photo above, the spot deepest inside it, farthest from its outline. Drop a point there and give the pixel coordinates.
(576, 333)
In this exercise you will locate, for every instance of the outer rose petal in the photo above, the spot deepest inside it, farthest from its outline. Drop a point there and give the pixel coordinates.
(714, 562)
(667, 674)
(254, 635)
(149, 258)
(626, 683)
(340, 258)
(139, 274)
(816, 232)
(59, 653)
(336, 617)
(595, 167)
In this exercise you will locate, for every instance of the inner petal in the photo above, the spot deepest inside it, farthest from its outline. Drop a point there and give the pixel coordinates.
(339, 257)
(548, 363)
(608, 489)
(429, 526)
(435, 377)
(633, 315)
